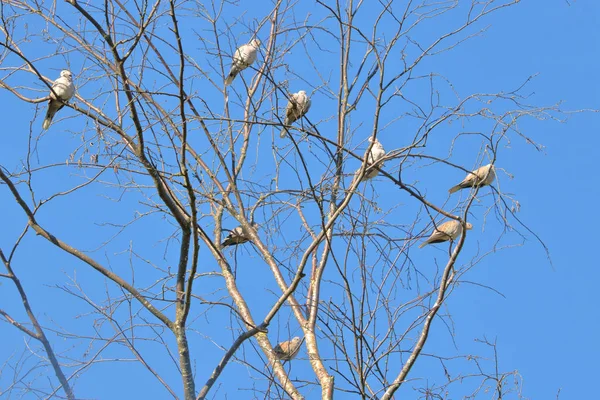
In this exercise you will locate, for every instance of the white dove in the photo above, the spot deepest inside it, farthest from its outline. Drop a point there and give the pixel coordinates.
(243, 57)
(287, 350)
(449, 230)
(373, 159)
(237, 236)
(297, 106)
(62, 88)
(480, 177)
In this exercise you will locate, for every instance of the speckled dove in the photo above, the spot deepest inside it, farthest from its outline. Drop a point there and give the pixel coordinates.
(62, 88)
(243, 57)
(377, 152)
(287, 350)
(237, 236)
(480, 177)
(297, 106)
(449, 230)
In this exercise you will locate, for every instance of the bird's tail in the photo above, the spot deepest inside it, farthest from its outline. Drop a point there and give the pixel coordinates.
(283, 133)
(425, 243)
(48, 119)
(232, 74)
(454, 189)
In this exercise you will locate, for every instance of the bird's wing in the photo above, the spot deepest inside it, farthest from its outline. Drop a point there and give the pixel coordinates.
(481, 171)
(63, 88)
(279, 350)
(451, 228)
(238, 56)
(307, 104)
(291, 110)
(470, 180)
(378, 152)
(244, 56)
(443, 232)
(288, 349)
(238, 231)
(486, 174)
(438, 236)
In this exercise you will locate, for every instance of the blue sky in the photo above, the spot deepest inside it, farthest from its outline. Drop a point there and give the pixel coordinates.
(540, 321)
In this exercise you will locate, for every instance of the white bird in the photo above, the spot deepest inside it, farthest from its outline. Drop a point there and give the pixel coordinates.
(449, 230)
(373, 160)
(62, 88)
(237, 236)
(482, 176)
(287, 350)
(243, 57)
(297, 106)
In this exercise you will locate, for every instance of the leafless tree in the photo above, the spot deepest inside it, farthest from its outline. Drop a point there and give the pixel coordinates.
(144, 171)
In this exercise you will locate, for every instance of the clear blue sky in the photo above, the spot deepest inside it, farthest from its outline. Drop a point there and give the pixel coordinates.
(541, 321)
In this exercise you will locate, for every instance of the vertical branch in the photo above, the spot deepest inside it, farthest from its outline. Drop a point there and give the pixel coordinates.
(39, 334)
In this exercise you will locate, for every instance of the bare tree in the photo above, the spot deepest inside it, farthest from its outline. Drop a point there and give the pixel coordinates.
(154, 161)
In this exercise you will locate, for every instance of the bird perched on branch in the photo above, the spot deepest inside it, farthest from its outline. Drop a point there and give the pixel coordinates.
(243, 57)
(62, 89)
(449, 230)
(373, 159)
(482, 176)
(287, 350)
(297, 106)
(237, 236)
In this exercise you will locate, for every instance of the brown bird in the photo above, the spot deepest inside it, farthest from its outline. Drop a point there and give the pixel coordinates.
(482, 176)
(287, 350)
(297, 106)
(449, 230)
(237, 236)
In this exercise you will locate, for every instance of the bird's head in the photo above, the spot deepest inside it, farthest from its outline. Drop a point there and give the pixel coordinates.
(302, 93)
(255, 43)
(372, 139)
(469, 225)
(67, 74)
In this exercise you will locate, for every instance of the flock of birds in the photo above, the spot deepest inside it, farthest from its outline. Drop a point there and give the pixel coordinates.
(297, 106)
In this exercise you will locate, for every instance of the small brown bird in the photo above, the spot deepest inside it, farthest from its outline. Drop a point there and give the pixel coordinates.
(237, 236)
(449, 230)
(482, 176)
(297, 106)
(287, 350)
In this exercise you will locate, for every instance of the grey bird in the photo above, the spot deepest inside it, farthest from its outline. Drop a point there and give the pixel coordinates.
(482, 176)
(243, 57)
(373, 159)
(287, 350)
(297, 106)
(449, 230)
(62, 88)
(237, 236)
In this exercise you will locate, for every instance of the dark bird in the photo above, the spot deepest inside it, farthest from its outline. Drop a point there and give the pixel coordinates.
(287, 350)
(237, 236)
